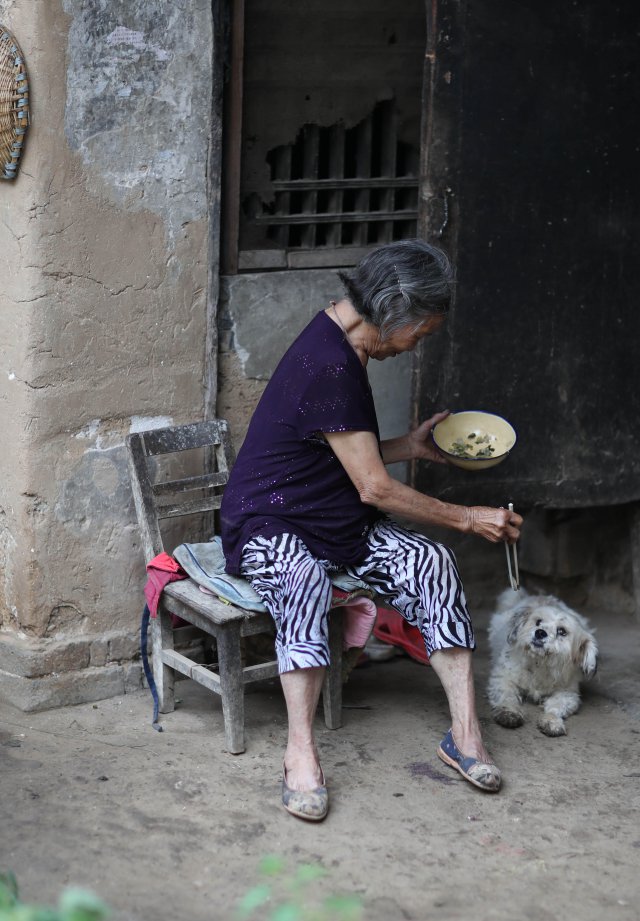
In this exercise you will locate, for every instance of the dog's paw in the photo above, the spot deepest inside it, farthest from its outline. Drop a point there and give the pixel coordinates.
(552, 726)
(510, 719)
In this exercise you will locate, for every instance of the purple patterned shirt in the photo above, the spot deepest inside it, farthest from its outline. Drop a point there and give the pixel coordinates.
(286, 477)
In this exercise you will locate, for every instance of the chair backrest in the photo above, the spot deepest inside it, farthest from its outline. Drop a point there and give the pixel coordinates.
(187, 495)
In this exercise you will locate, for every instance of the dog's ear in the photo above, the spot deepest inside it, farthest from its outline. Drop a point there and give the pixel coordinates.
(517, 620)
(587, 658)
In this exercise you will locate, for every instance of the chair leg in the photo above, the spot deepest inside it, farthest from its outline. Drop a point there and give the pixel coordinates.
(164, 677)
(231, 687)
(332, 690)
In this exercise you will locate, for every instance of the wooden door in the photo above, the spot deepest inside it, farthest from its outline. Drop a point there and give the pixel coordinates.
(530, 180)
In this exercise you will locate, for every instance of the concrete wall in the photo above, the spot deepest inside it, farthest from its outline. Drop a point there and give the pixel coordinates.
(103, 311)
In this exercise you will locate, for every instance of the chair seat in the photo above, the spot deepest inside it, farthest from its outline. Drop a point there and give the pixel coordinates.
(187, 592)
(209, 613)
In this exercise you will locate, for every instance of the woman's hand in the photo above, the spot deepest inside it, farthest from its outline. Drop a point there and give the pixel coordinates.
(494, 524)
(421, 443)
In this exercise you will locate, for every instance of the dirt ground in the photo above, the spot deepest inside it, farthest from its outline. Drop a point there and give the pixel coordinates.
(169, 825)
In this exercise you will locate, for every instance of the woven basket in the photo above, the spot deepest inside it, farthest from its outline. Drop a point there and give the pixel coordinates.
(14, 104)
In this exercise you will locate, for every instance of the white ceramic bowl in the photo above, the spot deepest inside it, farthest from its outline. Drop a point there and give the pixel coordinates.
(474, 440)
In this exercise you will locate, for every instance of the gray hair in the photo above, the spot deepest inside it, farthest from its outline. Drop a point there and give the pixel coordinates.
(400, 283)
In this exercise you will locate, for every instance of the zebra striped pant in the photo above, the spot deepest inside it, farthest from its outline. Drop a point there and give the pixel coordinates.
(417, 577)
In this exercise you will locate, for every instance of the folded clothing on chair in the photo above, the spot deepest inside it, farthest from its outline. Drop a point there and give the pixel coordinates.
(205, 564)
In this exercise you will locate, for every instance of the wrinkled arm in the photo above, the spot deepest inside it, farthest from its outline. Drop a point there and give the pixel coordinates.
(359, 455)
(415, 445)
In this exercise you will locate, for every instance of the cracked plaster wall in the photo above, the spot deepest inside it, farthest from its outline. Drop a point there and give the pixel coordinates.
(103, 298)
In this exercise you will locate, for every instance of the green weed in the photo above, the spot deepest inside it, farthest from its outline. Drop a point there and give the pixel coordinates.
(74, 905)
(298, 896)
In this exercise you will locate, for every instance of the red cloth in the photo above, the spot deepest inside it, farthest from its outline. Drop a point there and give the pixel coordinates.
(161, 570)
(392, 628)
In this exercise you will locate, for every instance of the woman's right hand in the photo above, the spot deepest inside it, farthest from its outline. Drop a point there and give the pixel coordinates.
(494, 524)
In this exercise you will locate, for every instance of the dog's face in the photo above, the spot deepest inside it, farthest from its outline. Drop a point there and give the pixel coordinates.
(546, 627)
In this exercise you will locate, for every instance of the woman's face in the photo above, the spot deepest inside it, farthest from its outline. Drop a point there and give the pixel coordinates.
(405, 339)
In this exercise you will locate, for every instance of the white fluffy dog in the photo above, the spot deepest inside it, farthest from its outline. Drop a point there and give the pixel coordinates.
(540, 650)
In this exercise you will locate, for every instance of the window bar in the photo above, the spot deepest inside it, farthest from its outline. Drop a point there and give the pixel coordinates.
(363, 171)
(346, 217)
(336, 171)
(311, 151)
(348, 184)
(282, 170)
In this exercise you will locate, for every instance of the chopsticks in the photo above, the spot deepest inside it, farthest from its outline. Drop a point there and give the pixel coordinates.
(512, 553)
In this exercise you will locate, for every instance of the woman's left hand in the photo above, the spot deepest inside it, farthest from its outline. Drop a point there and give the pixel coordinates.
(422, 446)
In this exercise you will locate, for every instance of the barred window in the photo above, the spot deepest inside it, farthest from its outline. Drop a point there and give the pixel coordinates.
(335, 189)
(332, 188)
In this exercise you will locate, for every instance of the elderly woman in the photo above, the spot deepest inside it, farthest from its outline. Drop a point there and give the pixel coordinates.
(310, 493)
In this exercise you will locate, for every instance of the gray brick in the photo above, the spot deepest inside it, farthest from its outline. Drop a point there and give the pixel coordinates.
(67, 657)
(77, 687)
(124, 647)
(133, 675)
(20, 657)
(28, 658)
(99, 652)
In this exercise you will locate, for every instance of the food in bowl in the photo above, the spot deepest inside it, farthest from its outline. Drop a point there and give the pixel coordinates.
(474, 445)
(474, 440)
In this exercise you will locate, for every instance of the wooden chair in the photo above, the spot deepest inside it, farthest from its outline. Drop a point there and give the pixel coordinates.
(225, 623)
